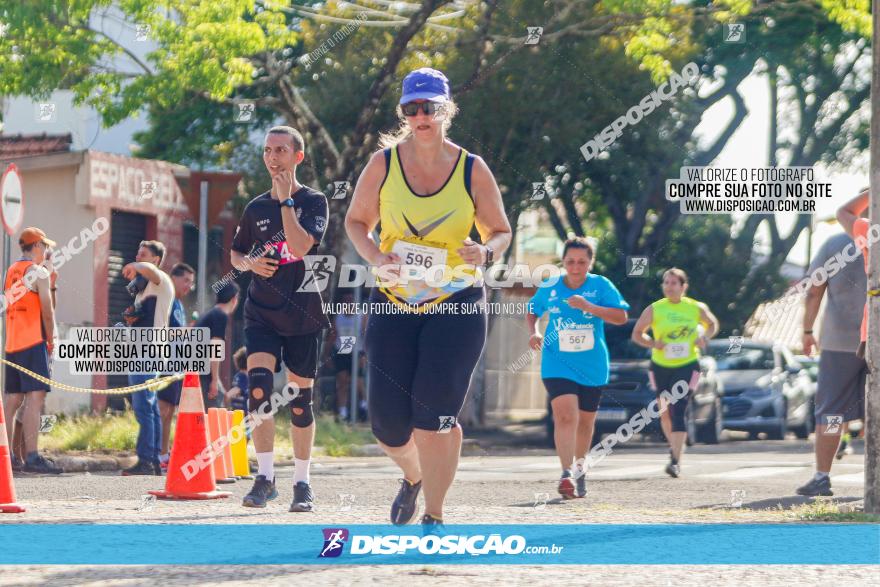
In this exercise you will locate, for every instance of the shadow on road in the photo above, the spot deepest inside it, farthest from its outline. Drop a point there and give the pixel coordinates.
(785, 503)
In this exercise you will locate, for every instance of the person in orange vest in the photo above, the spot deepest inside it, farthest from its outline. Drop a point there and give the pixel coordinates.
(30, 332)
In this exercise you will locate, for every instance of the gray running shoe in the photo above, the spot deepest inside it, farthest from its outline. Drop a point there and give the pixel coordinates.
(815, 487)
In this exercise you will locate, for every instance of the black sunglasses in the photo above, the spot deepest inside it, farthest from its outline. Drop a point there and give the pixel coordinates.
(412, 108)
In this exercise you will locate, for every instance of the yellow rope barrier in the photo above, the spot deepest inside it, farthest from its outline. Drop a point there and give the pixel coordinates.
(153, 384)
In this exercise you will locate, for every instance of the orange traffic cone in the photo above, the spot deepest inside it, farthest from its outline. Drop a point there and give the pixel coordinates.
(190, 475)
(7, 489)
(225, 424)
(215, 431)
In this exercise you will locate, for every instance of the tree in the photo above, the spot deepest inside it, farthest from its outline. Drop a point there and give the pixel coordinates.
(818, 72)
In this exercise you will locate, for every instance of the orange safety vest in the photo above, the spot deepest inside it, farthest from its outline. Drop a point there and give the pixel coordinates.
(24, 319)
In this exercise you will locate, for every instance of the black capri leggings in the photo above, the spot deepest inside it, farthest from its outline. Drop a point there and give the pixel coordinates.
(664, 378)
(421, 364)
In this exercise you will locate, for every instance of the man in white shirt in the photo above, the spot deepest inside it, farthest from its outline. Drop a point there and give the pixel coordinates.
(154, 294)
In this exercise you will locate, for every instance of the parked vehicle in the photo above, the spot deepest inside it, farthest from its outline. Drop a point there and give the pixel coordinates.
(629, 390)
(766, 389)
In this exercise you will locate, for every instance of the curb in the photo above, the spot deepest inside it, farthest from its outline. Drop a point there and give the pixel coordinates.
(90, 463)
(94, 463)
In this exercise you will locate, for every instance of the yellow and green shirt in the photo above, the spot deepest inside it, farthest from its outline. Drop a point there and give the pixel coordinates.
(427, 230)
(675, 324)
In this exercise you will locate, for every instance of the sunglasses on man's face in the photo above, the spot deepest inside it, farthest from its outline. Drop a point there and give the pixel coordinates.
(412, 108)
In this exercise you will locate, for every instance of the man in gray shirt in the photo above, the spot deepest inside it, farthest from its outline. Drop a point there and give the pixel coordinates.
(840, 395)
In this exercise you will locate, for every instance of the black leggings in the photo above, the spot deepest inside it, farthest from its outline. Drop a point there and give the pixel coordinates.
(421, 364)
(664, 378)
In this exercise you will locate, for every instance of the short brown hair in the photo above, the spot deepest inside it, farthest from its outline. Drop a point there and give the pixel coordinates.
(578, 242)
(240, 359)
(295, 137)
(157, 247)
(682, 276)
(181, 268)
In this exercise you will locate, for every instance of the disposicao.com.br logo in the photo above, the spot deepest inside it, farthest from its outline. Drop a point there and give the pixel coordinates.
(444, 544)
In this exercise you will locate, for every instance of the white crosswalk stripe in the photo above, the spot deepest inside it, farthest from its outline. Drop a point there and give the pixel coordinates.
(754, 472)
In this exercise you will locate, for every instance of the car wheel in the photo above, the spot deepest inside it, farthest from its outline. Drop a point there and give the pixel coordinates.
(710, 432)
(778, 432)
(597, 438)
(803, 431)
(550, 427)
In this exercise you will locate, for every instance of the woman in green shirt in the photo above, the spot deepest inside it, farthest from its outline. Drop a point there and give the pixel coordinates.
(675, 322)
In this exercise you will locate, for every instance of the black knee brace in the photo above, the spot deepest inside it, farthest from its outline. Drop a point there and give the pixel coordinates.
(260, 381)
(301, 414)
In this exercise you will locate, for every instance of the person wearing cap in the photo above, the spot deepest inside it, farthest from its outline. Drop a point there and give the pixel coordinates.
(30, 332)
(428, 193)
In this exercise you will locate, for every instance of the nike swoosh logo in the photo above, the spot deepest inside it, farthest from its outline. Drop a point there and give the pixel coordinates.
(428, 228)
(409, 225)
(421, 84)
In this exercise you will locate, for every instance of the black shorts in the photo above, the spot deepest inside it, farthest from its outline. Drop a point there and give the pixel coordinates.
(36, 359)
(171, 394)
(299, 352)
(420, 365)
(342, 362)
(588, 395)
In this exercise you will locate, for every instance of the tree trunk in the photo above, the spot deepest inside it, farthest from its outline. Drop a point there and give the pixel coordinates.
(872, 399)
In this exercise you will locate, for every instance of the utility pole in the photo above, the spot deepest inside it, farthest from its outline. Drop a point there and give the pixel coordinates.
(872, 399)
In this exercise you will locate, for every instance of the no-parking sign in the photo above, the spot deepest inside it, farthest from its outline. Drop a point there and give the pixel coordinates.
(12, 202)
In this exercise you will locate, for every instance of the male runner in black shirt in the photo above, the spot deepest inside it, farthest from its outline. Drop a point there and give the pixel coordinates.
(277, 229)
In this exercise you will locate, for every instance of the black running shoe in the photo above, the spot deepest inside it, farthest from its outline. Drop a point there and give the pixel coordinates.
(673, 469)
(262, 491)
(815, 487)
(37, 463)
(139, 468)
(432, 526)
(403, 510)
(17, 464)
(303, 498)
(566, 485)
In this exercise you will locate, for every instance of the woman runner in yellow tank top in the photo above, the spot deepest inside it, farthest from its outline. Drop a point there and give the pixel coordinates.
(675, 322)
(427, 324)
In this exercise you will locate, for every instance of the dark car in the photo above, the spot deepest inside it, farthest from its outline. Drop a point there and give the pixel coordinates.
(766, 389)
(629, 390)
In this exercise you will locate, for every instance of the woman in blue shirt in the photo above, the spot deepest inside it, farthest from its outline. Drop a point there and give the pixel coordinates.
(574, 362)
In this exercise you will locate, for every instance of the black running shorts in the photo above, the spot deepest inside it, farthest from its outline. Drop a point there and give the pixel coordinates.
(420, 365)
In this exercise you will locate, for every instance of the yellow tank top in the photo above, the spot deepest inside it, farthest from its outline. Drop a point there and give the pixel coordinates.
(426, 232)
(675, 325)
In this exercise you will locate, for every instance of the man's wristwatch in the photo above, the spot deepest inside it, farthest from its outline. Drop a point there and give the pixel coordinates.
(288, 202)
(490, 255)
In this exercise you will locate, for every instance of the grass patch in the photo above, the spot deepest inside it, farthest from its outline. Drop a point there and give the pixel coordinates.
(828, 511)
(337, 438)
(118, 432)
(107, 433)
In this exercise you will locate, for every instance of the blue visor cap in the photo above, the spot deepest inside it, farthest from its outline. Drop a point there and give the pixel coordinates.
(425, 84)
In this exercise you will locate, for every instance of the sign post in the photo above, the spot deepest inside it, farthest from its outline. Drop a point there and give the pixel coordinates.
(12, 214)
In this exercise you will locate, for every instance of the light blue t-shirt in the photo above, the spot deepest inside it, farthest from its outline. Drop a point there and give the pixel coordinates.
(574, 342)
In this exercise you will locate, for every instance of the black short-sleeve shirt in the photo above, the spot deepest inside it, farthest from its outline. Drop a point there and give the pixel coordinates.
(275, 302)
(214, 320)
